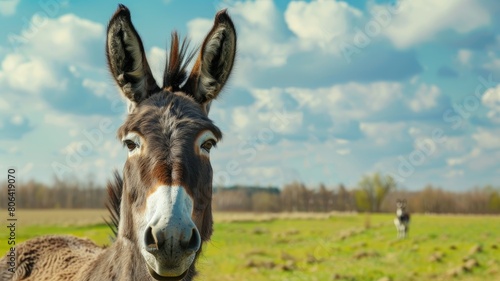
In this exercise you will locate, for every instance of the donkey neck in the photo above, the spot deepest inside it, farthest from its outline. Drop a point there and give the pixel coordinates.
(400, 212)
(121, 261)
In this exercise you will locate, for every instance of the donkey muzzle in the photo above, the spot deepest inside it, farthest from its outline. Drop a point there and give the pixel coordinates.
(171, 239)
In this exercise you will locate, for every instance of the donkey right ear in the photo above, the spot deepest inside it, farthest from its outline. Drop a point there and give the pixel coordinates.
(127, 60)
(215, 61)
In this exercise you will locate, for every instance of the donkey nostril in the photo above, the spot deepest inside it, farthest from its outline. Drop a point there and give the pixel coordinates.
(194, 241)
(150, 241)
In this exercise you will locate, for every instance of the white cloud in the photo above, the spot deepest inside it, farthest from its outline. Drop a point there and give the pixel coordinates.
(74, 70)
(341, 141)
(421, 20)
(268, 113)
(17, 119)
(260, 33)
(487, 139)
(414, 79)
(486, 160)
(57, 45)
(349, 101)
(70, 148)
(491, 99)
(383, 133)
(425, 98)
(13, 149)
(455, 161)
(26, 169)
(32, 75)
(241, 119)
(59, 120)
(477, 159)
(477, 153)
(100, 163)
(157, 58)
(493, 64)
(268, 98)
(4, 105)
(415, 132)
(269, 175)
(358, 101)
(454, 174)
(199, 28)
(464, 56)
(73, 37)
(99, 88)
(345, 151)
(464, 159)
(322, 21)
(111, 149)
(8, 7)
(457, 144)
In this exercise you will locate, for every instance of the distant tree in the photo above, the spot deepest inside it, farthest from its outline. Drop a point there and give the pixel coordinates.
(362, 200)
(323, 199)
(265, 202)
(295, 197)
(344, 199)
(436, 200)
(372, 189)
(232, 200)
(493, 201)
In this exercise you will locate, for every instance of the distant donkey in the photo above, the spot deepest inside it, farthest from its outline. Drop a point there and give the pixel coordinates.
(402, 220)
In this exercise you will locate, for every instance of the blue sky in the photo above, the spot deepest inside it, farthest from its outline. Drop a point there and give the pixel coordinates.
(323, 91)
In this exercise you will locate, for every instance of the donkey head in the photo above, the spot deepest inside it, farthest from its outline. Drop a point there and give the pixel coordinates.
(166, 202)
(401, 205)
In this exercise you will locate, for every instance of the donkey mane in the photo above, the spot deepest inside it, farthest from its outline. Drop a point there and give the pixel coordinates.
(177, 61)
(113, 201)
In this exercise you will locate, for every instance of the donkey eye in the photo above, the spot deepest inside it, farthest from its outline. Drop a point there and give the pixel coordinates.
(208, 145)
(130, 145)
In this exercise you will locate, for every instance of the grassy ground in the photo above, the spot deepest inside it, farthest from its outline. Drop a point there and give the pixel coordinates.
(303, 247)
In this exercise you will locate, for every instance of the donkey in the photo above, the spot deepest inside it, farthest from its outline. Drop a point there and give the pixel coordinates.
(162, 208)
(402, 220)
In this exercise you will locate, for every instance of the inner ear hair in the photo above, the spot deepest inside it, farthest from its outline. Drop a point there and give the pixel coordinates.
(215, 61)
(126, 58)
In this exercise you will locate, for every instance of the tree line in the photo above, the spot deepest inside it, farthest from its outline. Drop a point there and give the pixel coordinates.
(373, 193)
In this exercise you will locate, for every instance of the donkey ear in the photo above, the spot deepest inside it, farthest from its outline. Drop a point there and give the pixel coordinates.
(215, 61)
(126, 59)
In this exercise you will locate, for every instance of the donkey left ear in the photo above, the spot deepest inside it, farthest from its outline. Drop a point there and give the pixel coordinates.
(215, 61)
(127, 59)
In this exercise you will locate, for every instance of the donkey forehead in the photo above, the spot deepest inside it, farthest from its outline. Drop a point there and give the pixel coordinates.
(168, 113)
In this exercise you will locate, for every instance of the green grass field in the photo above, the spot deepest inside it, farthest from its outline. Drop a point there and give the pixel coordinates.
(317, 247)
